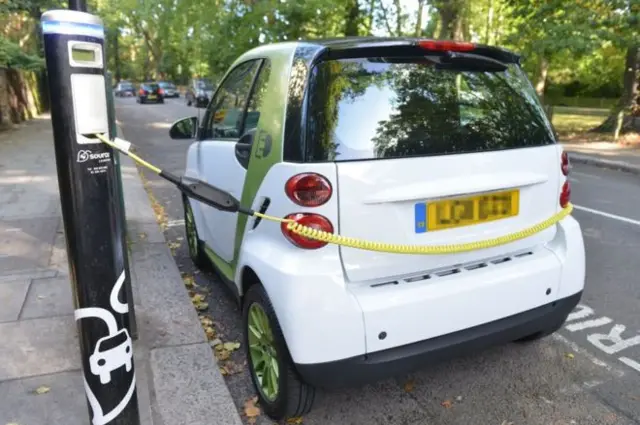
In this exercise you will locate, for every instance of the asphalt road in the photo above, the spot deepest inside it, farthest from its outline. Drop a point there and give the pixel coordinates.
(588, 373)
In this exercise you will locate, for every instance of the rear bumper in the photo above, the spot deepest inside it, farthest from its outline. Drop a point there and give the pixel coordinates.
(398, 360)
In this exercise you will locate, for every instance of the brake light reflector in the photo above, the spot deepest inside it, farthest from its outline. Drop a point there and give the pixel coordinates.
(308, 189)
(565, 195)
(446, 46)
(141, 92)
(160, 91)
(565, 163)
(314, 221)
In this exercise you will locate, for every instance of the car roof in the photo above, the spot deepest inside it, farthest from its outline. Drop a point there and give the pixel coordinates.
(361, 42)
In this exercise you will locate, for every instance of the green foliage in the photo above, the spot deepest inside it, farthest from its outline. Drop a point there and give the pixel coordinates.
(12, 56)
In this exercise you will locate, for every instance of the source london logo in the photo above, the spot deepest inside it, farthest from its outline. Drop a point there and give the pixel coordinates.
(85, 155)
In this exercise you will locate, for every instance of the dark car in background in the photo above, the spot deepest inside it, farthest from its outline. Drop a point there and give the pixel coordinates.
(150, 93)
(170, 89)
(125, 88)
(199, 92)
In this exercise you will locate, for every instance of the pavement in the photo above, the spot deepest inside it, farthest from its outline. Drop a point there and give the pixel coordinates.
(178, 379)
(606, 155)
(587, 373)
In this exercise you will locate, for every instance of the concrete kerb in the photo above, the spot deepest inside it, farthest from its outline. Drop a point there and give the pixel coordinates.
(184, 383)
(604, 163)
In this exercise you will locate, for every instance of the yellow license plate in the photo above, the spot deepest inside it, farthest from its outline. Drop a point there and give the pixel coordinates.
(152, 96)
(459, 212)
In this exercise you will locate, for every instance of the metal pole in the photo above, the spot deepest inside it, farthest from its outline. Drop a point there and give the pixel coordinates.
(75, 59)
(80, 5)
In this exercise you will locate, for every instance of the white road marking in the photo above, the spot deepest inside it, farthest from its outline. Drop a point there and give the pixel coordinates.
(610, 343)
(608, 215)
(575, 347)
(174, 223)
(615, 340)
(588, 324)
(574, 180)
(631, 363)
(586, 175)
(584, 311)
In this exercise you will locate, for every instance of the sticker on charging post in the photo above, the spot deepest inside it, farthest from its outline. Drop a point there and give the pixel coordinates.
(98, 163)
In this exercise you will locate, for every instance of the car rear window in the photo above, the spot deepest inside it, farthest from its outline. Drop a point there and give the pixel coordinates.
(151, 86)
(376, 108)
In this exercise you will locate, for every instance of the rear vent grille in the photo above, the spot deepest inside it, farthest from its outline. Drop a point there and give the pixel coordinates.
(460, 268)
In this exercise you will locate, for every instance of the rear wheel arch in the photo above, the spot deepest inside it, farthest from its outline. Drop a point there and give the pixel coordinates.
(248, 278)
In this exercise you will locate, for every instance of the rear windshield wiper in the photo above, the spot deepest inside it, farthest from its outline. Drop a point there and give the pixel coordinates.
(458, 61)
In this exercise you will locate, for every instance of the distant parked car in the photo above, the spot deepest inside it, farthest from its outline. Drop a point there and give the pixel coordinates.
(170, 89)
(125, 88)
(199, 92)
(150, 92)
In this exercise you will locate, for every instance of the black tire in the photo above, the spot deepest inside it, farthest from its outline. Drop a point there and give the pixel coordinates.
(188, 102)
(541, 334)
(194, 244)
(294, 397)
(161, 101)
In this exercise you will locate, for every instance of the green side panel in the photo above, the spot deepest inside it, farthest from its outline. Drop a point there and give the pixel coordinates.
(271, 124)
(223, 267)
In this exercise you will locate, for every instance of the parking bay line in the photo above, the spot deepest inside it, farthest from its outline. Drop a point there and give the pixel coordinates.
(608, 215)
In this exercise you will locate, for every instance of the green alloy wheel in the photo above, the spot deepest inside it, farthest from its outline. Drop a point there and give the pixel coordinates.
(196, 251)
(281, 391)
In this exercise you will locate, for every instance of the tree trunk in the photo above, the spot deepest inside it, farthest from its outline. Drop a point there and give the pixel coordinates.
(399, 20)
(451, 19)
(418, 31)
(371, 16)
(629, 101)
(541, 79)
(487, 35)
(352, 18)
(5, 106)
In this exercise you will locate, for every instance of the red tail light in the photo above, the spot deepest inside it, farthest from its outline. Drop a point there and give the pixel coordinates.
(308, 189)
(446, 46)
(160, 91)
(565, 163)
(565, 195)
(142, 92)
(314, 221)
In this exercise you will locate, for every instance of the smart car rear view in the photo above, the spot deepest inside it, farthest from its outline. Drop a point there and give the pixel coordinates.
(405, 142)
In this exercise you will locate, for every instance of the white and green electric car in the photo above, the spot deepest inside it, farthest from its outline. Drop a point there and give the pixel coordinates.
(405, 141)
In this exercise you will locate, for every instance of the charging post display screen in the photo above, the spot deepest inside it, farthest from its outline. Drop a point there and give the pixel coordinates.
(83, 55)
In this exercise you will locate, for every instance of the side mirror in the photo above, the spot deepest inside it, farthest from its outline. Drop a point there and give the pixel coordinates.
(184, 129)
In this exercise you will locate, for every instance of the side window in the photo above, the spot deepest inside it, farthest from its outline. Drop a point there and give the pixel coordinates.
(256, 102)
(227, 108)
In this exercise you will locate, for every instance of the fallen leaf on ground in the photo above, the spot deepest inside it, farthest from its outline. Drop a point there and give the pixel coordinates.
(174, 245)
(205, 320)
(215, 343)
(42, 390)
(224, 371)
(295, 421)
(142, 235)
(197, 298)
(447, 404)
(569, 355)
(222, 355)
(231, 346)
(408, 386)
(232, 368)
(202, 306)
(250, 408)
(179, 238)
(210, 332)
(459, 398)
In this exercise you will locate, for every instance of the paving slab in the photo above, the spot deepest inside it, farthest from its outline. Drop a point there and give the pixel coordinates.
(166, 312)
(64, 403)
(37, 347)
(48, 297)
(26, 243)
(185, 373)
(12, 298)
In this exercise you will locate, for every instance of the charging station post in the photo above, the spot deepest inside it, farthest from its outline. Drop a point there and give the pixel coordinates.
(75, 60)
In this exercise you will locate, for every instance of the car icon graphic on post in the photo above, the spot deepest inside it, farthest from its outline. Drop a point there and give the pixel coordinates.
(111, 353)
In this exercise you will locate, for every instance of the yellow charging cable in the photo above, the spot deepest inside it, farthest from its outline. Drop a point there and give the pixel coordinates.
(332, 238)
